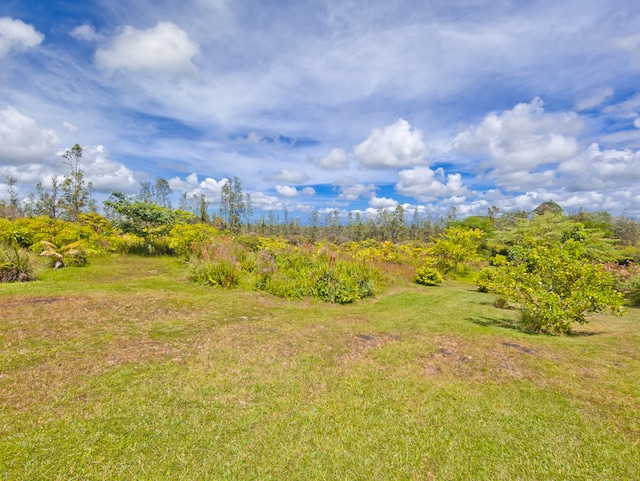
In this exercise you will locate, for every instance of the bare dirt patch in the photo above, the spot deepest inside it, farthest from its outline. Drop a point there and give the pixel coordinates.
(360, 345)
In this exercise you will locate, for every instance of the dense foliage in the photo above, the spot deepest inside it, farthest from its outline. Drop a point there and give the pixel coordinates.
(556, 268)
(552, 269)
(284, 270)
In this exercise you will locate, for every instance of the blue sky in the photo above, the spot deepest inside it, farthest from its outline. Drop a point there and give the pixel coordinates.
(326, 105)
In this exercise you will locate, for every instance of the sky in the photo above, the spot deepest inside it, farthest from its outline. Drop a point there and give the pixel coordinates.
(327, 105)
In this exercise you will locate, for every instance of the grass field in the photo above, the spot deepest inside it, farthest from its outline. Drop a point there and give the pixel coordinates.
(125, 370)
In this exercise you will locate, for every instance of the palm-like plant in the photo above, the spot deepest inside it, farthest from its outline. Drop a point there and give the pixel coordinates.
(72, 254)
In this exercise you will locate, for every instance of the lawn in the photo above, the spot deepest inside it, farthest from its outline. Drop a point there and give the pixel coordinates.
(126, 370)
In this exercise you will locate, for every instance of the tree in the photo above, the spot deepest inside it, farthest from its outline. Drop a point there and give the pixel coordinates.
(144, 220)
(455, 246)
(75, 195)
(313, 226)
(232, 205)
(397, 224)
(552, 270)
(184, 202)
(13, 195)
(48, 201)
(11, 210)
(162, 193)
(145, 196)
(548, 207)
(627, 230)
(72, 254)
(201, 207)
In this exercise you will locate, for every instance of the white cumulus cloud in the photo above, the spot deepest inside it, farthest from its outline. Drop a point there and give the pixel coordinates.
(286, 191)
(105, 174)
(22, 139)
(421, 183)
(522, 139)
(164, 48)
(69, 127)
(17, 36)
(597, 169)
(396, 145)
(350, 189)
(190, 185)
(383, 203)
(85, 32)
(336, 159)
(266, 203)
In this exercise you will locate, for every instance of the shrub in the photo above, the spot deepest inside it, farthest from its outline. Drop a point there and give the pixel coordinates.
(184, 238)
(125, 243)
(223, 273)
(554, 286)
(343, 282)
(631, 290)
(428, 276)
(484, 279)
(16, 265)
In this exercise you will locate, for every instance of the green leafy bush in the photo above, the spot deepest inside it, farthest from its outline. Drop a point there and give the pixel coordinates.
(631, 290)
(16, 265)
(484, 278)
(29, 232)
(184, 238)
(554, 285)
(428, 276)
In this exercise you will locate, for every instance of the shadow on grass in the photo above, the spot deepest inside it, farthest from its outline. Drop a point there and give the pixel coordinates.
(573, 333)
(504, 322)
(507, 323)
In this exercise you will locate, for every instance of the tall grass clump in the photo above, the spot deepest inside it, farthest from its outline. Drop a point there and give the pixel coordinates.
(218, 263)
(284, 270)
(306, 271)
(16, 264)
(342, 282)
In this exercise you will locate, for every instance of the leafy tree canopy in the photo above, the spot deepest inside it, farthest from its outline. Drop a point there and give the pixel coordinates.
(551, 269)
(141, 218)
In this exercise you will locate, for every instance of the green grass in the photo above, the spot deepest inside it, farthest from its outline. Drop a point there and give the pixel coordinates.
(125, 370)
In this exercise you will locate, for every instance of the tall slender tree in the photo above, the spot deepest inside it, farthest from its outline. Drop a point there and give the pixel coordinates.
(162, 193)
(75, 195)
(48, 200)
(232, 205)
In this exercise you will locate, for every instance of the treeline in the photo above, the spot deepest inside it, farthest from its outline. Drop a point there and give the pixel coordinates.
(70, 196)
(554, 268)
